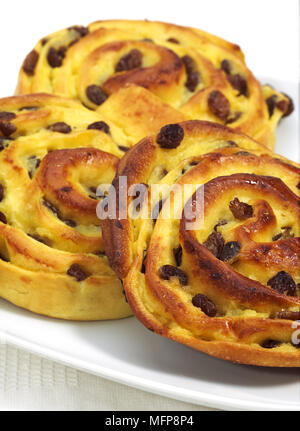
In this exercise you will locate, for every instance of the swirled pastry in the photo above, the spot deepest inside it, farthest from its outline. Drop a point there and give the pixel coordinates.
(142, 69)
(54, 153)
(227, 285)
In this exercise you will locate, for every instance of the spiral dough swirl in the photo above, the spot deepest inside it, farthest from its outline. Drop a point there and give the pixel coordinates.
(228, 286)
(54, 153)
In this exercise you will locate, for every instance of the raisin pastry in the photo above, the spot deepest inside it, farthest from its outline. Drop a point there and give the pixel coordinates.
(226, 284)
(140, 69)
(54, 153)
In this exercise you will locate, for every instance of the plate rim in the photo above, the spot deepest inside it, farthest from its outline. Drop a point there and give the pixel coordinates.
(199, 398)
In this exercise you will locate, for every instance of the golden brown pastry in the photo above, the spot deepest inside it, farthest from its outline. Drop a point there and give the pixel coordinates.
(227, 284)
(54, 153)
(142, 69)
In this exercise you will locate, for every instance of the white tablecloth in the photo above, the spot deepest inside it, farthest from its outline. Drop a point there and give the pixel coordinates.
(29, 382)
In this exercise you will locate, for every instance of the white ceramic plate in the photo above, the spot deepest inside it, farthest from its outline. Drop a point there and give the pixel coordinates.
(124, 351)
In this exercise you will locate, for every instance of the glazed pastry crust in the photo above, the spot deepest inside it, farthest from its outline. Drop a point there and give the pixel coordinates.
(248, 307)
(144, 71)
(50, 164)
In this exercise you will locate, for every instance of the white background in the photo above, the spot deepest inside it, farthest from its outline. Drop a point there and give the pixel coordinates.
(267, 31)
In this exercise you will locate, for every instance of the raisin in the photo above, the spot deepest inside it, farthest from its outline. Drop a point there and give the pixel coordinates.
(68, 222)
(287, 107)
(277, 237)
(283, 283)
(298, 185)
(81, 30)
(239, 83)
(168, 271)
(282, 105)
(164, 172)
(1, 192)
(194, 162)
(218, 104)
(30, 63)
(93, 189)
(178, 255)
(62, 51)
(192, 81)
(122, 148)
(192, 73)
(77, 272)
(215, 243)
(170, 136)
(130, 61)
(7, 116)
(225, 65)
(60, 127)
(66, 189)
(287, 233)
(240, 210)
(289, 315)
(230, 251)
(7, 128)
(173, 40)
(99, 125)
(3, 218)
(44, 41)
(96, 95)
(206, 305)
(271, 103)
(270, 344)
(55, 57)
